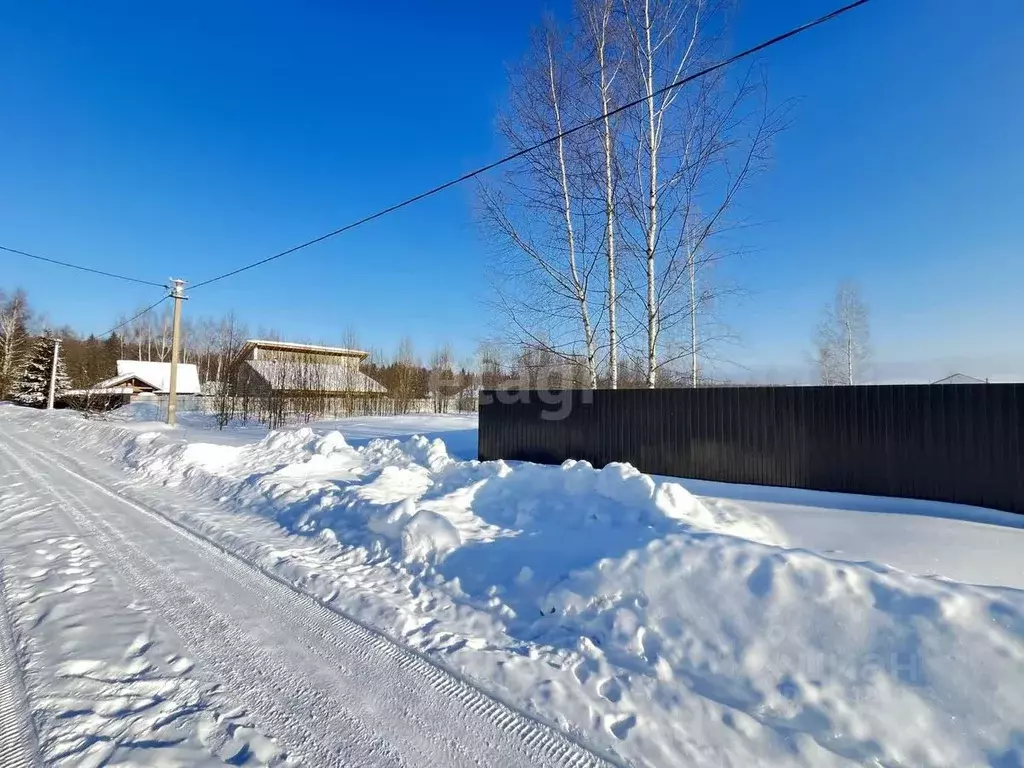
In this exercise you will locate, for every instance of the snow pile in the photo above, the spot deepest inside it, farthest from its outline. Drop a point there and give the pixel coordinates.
(409, 498)
(624, 608)
(428, 536)
(862, 662)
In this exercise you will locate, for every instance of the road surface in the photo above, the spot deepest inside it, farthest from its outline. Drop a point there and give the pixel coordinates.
(125, 636)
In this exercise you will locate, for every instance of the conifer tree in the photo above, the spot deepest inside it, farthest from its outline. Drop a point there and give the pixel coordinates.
(32, 384)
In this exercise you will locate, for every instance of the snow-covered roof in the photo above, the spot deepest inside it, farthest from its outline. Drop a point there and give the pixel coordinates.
(98, 390)
(325, 377)
(121, 378)
(296, 347)
(158, 375)
(959, 378)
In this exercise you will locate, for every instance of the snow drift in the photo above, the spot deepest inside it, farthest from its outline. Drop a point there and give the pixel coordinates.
(623, 608)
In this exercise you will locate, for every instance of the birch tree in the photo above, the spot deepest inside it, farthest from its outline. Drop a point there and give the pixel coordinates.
(404, 389)
(842, 339)
(14, 338)
(600, 30)
(161, 328)
(611, 235)
(443, 384)
(350, 340)
(696, 148)
(542, 214)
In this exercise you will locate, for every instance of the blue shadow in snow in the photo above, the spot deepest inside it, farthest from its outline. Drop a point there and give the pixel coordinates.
(556, 533)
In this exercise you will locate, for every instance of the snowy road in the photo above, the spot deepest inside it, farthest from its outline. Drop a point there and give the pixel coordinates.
(239, 664)
(334, 596)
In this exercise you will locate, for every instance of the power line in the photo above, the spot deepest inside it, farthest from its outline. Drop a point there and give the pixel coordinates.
(133, 318)
(515, 155)
(80, 267)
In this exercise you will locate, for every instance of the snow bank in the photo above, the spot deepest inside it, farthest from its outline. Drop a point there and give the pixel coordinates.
(873, 665)
(416, 502)
(622, 607)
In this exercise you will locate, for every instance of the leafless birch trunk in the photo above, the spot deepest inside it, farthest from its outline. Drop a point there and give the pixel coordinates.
(635, 208)
(691, 270)
(570, 234)
(599, 20)
(697, 148)
(541, 214)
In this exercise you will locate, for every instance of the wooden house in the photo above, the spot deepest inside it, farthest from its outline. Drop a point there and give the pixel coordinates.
(287, 368)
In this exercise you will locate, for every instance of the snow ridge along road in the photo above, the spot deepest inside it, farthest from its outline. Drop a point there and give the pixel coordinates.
(330, 690)
(17, 734)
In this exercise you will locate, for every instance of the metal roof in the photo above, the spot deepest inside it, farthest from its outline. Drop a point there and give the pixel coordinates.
(292, 346)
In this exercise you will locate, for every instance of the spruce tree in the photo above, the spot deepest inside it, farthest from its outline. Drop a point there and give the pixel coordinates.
(32, 385)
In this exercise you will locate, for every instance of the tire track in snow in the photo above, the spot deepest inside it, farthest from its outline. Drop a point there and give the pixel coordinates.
(261, 679)
(475, 729)
(18, 742)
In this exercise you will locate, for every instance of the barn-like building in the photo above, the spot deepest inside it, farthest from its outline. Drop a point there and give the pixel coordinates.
(290, 369)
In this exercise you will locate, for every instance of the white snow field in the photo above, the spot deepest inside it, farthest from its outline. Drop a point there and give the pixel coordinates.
(352, 594)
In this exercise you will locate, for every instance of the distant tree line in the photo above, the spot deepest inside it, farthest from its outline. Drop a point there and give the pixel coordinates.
(213, 345)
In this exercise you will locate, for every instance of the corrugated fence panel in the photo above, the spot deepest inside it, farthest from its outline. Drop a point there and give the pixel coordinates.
(960, 443)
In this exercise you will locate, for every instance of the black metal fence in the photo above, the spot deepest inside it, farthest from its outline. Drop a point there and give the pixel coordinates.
(960, 442)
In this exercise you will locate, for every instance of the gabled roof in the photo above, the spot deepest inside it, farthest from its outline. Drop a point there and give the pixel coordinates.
(158, 375)
(116, 381)
(959, 378)
(322, 377)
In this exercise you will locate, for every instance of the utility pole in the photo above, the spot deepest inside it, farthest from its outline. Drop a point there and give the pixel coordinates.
(177, 288)
(53, 374)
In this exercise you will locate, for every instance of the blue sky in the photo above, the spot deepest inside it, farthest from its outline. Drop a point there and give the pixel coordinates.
(157, 143)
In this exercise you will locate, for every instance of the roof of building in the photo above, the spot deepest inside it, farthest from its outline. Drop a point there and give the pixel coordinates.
(120, 379)
(960, 378)
(320, 377)
(99, 390)
(296, 347)
(157, 375)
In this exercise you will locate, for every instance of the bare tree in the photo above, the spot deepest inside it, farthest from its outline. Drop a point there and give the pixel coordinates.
(842, 340)
(650, 194)
(599, 31)
(443, 384)
(205, 341)
(490, 362)
(404, 389)
(14, 337)
(139, 333)
(541, 211)
(231, 386)
(350, 340)
(695, 149)
(160, 328)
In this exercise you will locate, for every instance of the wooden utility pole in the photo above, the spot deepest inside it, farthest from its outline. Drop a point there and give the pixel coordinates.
(177, 294)
(53, 374)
